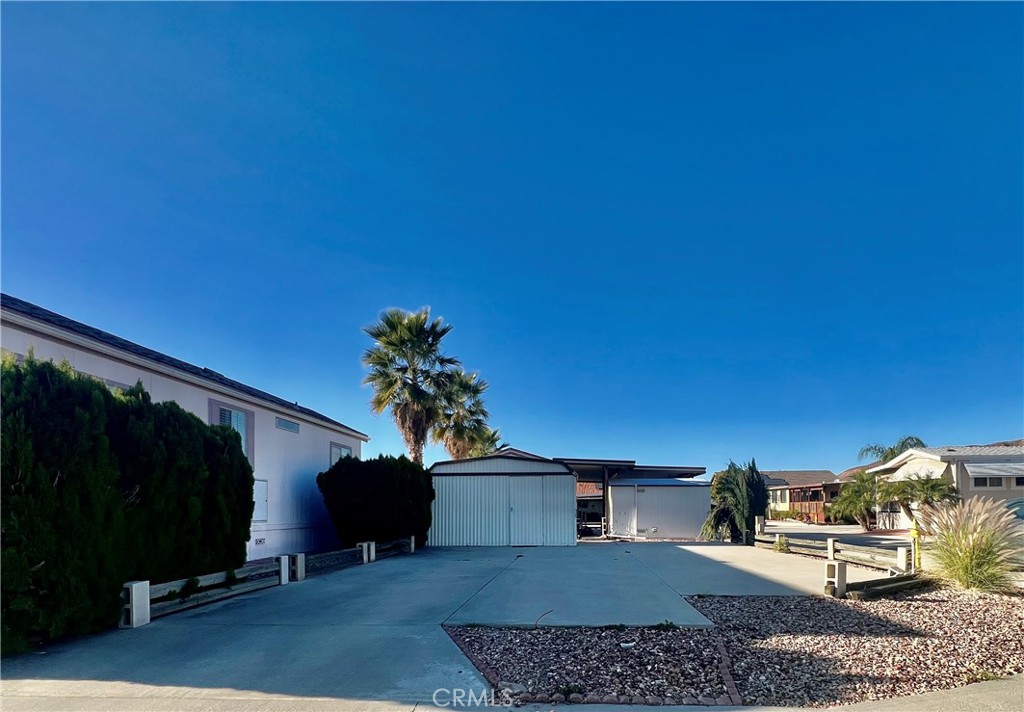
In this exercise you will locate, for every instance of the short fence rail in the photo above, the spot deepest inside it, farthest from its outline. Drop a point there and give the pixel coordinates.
(896, 560)
(141, 601)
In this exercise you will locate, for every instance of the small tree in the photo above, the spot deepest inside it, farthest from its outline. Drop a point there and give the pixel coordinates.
(917, 488)
(738, 495)
(856, 499)
(888, 452)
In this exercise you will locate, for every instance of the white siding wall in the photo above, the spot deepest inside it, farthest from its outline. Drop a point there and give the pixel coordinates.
(676, 512)
(289, 462)
(504, 510)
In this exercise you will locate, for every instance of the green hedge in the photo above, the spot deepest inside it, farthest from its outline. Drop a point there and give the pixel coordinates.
(377, 500)
(100, 488)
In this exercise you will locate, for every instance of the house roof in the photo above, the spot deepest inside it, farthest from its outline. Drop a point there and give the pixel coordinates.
(798, 478)
(1012, 449)
(37, 313)
(846, 475)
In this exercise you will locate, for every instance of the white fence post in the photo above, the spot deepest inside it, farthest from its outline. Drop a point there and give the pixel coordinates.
(903, 559)
(412, 544)
(282, 568)
(135, 604)
(759, 525)
(831, 549)
(298, 567)
(835, 576)
(373, 551)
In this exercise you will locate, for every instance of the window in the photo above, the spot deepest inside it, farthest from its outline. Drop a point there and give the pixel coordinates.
(339, 451)
(1018, 481)
(290, 425)
(238, 419)
(983, 482)
(259, 500)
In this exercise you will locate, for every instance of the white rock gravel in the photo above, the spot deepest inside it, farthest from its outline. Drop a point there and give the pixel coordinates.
(783, 650)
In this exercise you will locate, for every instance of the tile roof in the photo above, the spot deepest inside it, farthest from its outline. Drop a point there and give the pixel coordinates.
(847, 475)
(589, 489)
(30, 310)
(976, 450)
(799, 478)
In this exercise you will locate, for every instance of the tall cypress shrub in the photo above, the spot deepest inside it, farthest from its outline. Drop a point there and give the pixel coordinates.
(99, 488)
(62, 513)
(382, 499)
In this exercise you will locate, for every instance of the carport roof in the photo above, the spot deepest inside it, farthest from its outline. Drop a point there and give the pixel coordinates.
(658, 482)
(593, 469)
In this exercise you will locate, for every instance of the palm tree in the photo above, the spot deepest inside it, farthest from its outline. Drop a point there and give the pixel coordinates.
(463, 419)
(408, 373)
(886, 453)
(488, 442)
(917, 488)
(856, 499)
(738, 494)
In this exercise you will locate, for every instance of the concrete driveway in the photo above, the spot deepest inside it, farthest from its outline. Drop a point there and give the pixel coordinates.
(373, 633)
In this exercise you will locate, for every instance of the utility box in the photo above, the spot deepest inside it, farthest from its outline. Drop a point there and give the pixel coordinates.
(134, 604)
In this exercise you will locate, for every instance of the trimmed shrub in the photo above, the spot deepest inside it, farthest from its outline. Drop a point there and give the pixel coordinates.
(383, 499)
(99, 488)
(974, 543)
(62, 514)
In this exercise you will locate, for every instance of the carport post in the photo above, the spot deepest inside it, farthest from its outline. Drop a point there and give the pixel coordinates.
(831, 549)
(282, 568)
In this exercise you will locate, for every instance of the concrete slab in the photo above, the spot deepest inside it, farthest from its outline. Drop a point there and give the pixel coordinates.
(584, 586)
(370, 637)
(731, 570)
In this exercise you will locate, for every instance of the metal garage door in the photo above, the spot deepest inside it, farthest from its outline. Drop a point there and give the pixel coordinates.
(503, 510)
(526, 511)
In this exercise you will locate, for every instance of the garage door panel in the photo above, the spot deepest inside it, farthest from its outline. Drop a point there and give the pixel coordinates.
(623, 511)
(470, 511)
(526, 511)
(559, 511)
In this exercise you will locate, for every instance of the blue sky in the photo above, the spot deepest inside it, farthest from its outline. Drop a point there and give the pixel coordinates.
(677, 233)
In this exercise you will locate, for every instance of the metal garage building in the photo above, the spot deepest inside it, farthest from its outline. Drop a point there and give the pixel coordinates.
(503, 500)
(669, 508)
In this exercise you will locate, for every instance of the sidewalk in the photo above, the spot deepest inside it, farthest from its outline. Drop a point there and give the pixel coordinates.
(1006, 695)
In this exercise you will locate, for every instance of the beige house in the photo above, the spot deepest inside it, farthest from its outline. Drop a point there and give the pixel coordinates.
(286, 443)
(995, 471)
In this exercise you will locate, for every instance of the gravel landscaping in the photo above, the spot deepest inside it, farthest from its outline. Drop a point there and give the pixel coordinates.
(780, 650)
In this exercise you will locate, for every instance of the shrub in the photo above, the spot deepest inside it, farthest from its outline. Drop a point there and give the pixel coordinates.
(781, 544)
(62, 514)
(383, 499)
(974, 543)
(738, 495)
(99, 488)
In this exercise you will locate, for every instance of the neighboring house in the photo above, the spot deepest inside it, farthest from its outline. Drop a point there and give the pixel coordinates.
(287, 444)
(806, 492)
(995, 470)
(516, 498)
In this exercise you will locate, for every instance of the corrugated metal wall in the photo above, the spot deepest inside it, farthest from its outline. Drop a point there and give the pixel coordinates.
(623, 511)
(526, 511)
(470, 511)
(559, 511)
(503, 510)
(676, 512)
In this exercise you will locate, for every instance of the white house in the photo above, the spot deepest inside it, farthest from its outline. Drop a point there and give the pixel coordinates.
(995, 471)
(287, 444)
